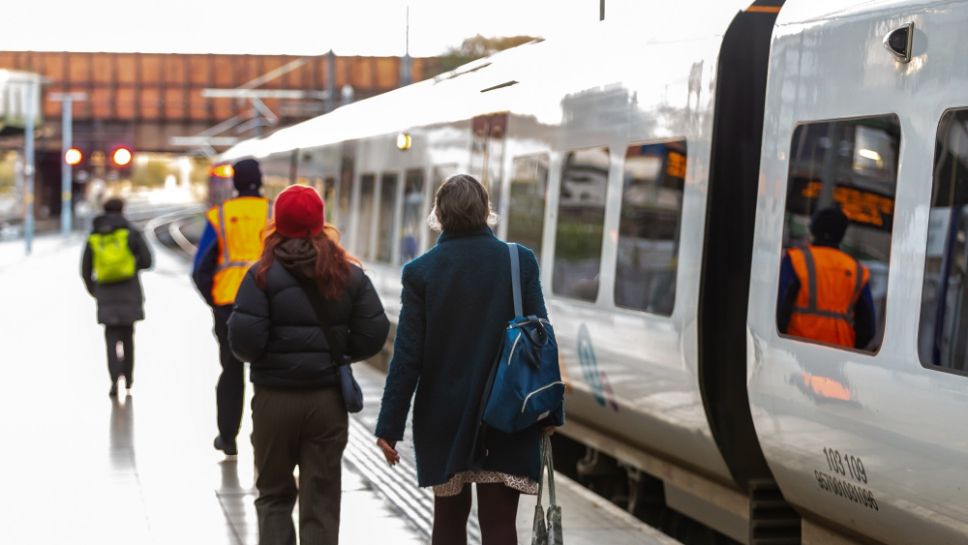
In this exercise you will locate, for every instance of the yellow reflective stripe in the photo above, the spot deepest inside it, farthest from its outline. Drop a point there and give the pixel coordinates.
(811, 279)
(231, 264)
(221, 231)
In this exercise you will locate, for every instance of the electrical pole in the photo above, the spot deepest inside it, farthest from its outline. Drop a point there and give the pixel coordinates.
(29, 165)
(67, 198)
(406, 77)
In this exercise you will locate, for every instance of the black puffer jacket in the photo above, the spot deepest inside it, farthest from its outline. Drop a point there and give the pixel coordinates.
(277, 330)
(119, 303)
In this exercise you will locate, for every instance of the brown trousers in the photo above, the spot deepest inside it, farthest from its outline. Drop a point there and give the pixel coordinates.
(305, 428)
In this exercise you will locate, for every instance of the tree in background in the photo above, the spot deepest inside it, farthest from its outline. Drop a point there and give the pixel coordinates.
(478, 46)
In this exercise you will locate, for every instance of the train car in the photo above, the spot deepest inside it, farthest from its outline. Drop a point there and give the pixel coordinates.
(867, 110)
(629, 160)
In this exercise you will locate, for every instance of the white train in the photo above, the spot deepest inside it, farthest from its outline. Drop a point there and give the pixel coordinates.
(659, 167)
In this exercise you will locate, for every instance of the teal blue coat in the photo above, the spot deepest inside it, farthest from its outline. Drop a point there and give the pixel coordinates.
(456, 303)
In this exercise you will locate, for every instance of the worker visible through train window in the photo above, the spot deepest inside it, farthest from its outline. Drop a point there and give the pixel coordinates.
(837, 231)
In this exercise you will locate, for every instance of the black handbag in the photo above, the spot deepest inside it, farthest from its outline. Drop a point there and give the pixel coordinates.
(352, 394)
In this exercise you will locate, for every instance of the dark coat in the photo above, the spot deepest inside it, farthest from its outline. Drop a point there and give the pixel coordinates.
(456, 303)
(278, 332)
(118, 303)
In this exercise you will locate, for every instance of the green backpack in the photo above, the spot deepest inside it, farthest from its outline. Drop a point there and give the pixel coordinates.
(113, 260)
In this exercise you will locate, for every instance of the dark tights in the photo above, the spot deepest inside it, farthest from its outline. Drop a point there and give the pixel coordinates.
(120, 345)
(497, 510)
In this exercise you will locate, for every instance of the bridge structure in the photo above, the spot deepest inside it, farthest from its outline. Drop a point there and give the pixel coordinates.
(194, 104)
(148, 99)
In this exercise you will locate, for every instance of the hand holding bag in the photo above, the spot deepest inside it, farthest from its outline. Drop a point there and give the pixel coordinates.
(352, 394)
(547, 526)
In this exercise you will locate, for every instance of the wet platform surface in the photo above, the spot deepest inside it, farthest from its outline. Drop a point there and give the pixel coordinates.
(79, 467)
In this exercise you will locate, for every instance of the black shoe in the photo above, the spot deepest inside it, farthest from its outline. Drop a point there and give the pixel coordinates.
(113, 392)
(228, 447)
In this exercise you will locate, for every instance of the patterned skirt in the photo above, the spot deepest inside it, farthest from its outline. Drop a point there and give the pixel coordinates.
(456, 483)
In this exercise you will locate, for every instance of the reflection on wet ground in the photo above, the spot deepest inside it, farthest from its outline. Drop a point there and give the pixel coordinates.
(81, 467)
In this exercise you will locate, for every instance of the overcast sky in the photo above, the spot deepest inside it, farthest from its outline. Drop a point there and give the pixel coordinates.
(300, 27)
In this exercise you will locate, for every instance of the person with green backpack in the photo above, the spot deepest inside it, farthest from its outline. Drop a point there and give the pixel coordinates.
(114, 254)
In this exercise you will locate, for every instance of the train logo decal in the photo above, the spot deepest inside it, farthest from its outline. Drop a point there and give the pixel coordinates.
(597, 380)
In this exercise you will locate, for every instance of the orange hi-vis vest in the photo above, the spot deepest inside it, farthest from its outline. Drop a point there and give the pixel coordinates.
(830, 285)
(240, 225)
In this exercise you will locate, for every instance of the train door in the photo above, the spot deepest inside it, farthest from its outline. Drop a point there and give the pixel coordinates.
(862, 117)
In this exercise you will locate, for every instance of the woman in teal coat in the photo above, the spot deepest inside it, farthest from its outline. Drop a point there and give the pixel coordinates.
(456, 303)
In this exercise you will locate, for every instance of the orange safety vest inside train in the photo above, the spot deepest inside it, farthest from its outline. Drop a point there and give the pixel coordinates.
(240, 226)
(830, 285)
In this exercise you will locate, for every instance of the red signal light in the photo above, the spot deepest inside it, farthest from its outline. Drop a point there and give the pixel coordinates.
(73, 157)
(121, 157)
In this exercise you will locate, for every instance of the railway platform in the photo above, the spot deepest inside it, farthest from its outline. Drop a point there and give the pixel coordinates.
(81, 468)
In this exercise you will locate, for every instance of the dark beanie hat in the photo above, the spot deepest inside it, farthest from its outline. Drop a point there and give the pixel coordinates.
(828, 226)
(298, 212)
(113, 204)
(247, 176)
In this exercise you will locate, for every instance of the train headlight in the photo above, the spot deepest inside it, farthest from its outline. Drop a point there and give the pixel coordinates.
(404, 141)
(224, 170)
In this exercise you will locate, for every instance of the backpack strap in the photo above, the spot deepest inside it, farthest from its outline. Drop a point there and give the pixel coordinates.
(516, 279)
(315, 299)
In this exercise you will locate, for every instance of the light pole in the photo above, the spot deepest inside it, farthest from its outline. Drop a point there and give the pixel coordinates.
(67, 199)
(29, 165)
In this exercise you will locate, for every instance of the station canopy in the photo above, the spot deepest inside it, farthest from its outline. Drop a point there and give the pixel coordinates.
(15, 92)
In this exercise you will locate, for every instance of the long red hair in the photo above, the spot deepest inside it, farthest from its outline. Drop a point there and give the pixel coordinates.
(332, 269)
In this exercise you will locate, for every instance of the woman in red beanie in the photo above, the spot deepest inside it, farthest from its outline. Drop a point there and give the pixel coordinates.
(302, 310)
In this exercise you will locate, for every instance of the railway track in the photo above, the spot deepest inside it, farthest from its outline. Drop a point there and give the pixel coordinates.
(178, 230)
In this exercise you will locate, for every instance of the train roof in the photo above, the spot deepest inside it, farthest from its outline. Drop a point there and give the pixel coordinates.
(525, 75)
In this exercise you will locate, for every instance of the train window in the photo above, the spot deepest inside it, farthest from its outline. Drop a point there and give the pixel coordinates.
(345, 192)
(942, 337)
(330, 196)
(648, 237)
(366, 215)
(837, 231)
(386, 217)
(413, 214)
(529, 186)
(441, 173)
(581, 222)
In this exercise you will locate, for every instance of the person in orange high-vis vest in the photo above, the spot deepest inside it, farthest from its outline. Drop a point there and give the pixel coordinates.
(231, 243)
(824, 292)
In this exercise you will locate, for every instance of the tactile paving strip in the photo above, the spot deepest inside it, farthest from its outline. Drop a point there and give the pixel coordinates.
(398, 484)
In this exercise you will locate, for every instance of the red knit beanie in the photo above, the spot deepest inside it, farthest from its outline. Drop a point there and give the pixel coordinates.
(298, 212)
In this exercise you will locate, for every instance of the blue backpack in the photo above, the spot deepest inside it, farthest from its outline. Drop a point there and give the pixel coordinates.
(526, 385)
